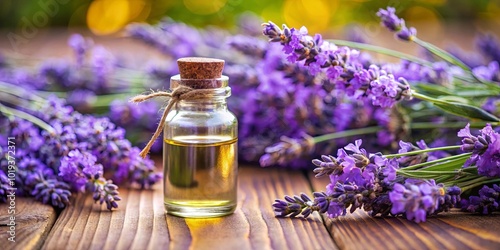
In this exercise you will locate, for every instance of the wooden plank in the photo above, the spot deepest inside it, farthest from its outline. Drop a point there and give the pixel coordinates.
(454, 230)
(140, 221)
(33, 223)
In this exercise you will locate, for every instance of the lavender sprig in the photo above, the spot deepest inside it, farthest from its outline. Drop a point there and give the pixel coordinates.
(287, 150)
(485, 150)
(395, 24)
(486, 203)
(51, 191)
(401, 184)
(103, 191)
(63, 160)
(302, 205)
(342, 66)
(416, 200)
(392, 22)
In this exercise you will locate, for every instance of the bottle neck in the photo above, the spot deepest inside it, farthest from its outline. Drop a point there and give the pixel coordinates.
(206, 105)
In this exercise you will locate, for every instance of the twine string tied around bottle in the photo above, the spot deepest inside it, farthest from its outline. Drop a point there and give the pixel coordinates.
(178, 94)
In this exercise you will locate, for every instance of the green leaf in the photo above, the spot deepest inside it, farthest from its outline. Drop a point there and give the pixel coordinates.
(449, 165)
(442, 54)
(466, 110)
(454, 99)
(433, 89)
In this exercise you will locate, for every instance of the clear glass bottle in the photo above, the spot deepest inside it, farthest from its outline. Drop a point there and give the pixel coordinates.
(200, 153)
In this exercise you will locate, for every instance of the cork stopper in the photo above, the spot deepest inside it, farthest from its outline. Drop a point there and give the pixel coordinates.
(200, 68)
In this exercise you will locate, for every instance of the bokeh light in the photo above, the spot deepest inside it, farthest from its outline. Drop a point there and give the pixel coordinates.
(204, 7)
(424, 18)
(109, 16)
(313, 14)
(104, 17)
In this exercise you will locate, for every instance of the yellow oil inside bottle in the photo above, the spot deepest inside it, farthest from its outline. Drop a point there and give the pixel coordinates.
(200, 175)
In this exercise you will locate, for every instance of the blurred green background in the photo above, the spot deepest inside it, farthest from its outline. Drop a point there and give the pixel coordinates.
(110, 16)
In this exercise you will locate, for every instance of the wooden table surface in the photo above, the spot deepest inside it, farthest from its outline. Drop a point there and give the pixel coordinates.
(140, 223)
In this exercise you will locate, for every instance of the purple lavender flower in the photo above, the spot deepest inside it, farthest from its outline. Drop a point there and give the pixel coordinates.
(171, 38)
(352, 165)
(54, 163)
(247, 45)
(390, 170)
(104, 191)
(22, 77)
(286, 150)
(395, 24)
(412, 159)
(81, 99)
(103, 63)
(492, 105)
(488, 164)
(490, 72)
(416, 201)
(471, 59)
(490, 47)
(77, 166)
(58, 72)
(80, 46)
(293, 206)
(390, 19)
(486, 203)
(124, 113)
(26, 134)
(341, 65)
(51, 191)
(406, 34)
(441, 73)
(140, 171)
(274, 32)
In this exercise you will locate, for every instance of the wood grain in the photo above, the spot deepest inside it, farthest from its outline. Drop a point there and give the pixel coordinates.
(454, 230)
(140, 222)
(33, 222)
(137, 223)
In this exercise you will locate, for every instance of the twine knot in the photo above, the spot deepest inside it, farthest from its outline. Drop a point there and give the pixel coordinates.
(178, 94)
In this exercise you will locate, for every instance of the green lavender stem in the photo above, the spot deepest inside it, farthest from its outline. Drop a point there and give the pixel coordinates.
(459, 109)
(346, 133)
(477, 183)
(105, 100)
(374, 129)
(382, 50)
(19, 92)
(441, 53)
(416, 152)
(23, 115)
(427, 98)
(429, 125)
(459, 157)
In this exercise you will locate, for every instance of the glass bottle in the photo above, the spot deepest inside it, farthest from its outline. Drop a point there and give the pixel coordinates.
(200, 149)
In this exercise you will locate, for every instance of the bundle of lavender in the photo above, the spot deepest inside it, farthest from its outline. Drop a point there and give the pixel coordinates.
(418, 181)
(51, 151)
